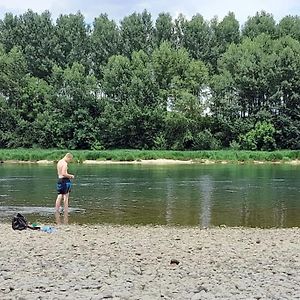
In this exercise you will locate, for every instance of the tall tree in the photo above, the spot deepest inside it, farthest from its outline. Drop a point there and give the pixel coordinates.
(197, 37)
(76, 108)
(117, 78)
(72, 41)
(164, 29)
(10, 33)
(104, 42)
(33, 32)
(262, 22)
(13, 70)
(224, 33)
(136, 33)
(289, 25)
(179, 27)
(143, 87)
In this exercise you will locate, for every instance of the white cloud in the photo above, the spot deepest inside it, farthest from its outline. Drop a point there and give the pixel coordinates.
(242, 9)
(35, 5)
(117, 9)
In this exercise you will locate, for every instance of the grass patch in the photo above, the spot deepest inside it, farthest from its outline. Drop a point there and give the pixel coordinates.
(132, 155)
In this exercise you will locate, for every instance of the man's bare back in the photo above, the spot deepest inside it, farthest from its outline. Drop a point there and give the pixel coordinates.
(64, 183)
(62, 169)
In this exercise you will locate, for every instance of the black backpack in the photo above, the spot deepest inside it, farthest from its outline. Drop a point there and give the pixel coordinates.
(19, 222)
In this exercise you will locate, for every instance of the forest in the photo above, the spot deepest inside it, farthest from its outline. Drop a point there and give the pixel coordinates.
(163, 84)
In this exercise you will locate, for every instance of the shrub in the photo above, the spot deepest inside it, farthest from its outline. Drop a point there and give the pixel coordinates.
(259, 138)
(206, 141)
(234, 145)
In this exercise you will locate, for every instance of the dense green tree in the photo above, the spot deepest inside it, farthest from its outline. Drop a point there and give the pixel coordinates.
(117, 78)
(143, 87)
(75, 107)
(179, 27)
(262, 22)
(224, 33)
(136, 33)
(197, 37)
(248, 65)
(8, 124)
(34, 34)
(164, 29)
(289, 25)
(13, 70)
(72, 41)
(10, 32)
(182, 84)
(104, 42)
(259, 138)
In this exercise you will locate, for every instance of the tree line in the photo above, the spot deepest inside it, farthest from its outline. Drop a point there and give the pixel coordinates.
(149, 84)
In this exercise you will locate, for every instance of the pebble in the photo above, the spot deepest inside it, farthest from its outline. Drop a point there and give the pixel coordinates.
(174, 261)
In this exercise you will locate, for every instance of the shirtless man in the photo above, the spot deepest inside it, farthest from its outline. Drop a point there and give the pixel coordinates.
(64, 183)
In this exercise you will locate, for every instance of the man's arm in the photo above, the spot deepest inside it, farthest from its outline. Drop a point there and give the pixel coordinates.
(64, 171)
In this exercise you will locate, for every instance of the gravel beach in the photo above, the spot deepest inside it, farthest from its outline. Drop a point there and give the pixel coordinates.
(149, 262)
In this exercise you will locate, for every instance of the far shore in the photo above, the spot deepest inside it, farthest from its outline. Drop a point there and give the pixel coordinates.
(157, 162)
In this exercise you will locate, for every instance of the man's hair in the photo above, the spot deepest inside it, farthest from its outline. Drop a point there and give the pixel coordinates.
(69, 155)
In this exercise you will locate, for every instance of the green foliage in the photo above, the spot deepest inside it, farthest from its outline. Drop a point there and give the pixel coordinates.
(259, 138)
(116, 79)
(164, 29)
(262, 22)
(196, 37)
(104, 42)
(136, 33)
(205, 140)
(182, 84)
(72, 43)
(13, 70)
(289, 25)
(33, 33)
(234, 145)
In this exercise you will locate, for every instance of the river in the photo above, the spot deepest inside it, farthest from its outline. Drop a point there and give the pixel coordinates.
(186, 195)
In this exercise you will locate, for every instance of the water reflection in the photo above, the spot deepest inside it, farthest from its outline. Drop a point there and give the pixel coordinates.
(206, 188)
(169, 200)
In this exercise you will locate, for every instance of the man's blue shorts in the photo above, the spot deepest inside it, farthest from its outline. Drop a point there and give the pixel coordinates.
(63, 186)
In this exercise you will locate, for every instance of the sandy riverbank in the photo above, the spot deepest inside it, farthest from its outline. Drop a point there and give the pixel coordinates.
(156, 162)
(120, 262)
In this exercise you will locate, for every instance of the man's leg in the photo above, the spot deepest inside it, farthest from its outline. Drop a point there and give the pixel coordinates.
(66, 217)
(58, 202)
(57, 217)
(66, 202)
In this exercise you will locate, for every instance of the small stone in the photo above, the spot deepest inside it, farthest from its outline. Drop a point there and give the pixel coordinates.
(174, 261)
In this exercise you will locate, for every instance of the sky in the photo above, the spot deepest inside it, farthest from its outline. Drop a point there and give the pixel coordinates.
(118, 9)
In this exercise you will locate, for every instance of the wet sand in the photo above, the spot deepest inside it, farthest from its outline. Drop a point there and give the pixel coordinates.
(127, 262)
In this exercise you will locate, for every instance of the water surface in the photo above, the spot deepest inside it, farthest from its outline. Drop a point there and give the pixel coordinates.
(189, 195)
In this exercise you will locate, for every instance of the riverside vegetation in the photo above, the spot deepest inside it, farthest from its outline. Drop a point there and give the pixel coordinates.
(164, 84)
(136, 155)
